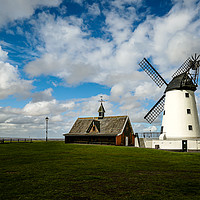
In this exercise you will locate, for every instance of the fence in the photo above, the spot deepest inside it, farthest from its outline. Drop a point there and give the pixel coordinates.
(149, 135)
(16, 140)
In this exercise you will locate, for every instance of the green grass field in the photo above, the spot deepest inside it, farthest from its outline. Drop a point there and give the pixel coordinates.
(55, 170)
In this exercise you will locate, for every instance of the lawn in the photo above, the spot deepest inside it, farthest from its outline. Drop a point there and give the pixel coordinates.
(55, 170)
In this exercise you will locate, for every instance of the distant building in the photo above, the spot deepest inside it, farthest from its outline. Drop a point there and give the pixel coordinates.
(112, 130)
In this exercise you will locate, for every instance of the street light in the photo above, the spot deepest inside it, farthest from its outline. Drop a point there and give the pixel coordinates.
(46, 128)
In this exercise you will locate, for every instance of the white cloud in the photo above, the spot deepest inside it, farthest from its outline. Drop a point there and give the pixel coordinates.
(80, 2)
(67, 48)
(151, 129)
(183, 43)
(30, 120)
(117, 91)
(77, 58)
(168, 40)
(120, 4)
(46, 108)
(120, 19)
(94, 9)
(11, 83)
(89, 106)
(57, 118)
(45, 95)
(148, 91)
(3, 55)
(11, 10)
(173, 37)
(119, 27)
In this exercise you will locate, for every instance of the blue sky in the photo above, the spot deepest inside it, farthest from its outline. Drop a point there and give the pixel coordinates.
(57, 57)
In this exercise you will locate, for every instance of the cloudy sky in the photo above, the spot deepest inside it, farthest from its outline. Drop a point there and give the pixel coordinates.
(57, 57)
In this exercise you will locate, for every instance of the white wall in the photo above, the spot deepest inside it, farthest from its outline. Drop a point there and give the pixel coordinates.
(172, 144)
(176, 120)
(148, 143)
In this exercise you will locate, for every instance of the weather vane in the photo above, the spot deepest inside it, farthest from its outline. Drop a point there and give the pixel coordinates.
(101, 100)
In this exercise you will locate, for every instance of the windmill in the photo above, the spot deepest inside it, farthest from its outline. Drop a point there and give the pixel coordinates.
(180, 117)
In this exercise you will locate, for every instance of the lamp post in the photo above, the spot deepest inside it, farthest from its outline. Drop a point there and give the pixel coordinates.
(47, 119)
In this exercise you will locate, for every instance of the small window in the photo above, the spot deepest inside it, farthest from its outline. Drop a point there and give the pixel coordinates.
(190, 127)
(164, 112)
(188, 111)
(187, 95)
(161, 131)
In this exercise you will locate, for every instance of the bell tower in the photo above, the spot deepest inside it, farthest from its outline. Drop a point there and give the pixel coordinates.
(101, 110)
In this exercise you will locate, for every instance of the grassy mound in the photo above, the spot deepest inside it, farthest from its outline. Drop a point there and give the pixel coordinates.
(55, 170)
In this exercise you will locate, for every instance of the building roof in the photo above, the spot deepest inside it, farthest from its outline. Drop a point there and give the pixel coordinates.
(181, 82)
(108, 126)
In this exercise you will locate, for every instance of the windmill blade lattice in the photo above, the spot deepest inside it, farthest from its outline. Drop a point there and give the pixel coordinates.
(183, 68)
(156, 110)
(149, 69)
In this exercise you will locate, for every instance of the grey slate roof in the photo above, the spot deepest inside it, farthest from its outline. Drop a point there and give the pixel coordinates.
(109, 126)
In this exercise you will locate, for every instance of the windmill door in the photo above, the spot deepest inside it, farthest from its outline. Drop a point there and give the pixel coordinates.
(184, 145)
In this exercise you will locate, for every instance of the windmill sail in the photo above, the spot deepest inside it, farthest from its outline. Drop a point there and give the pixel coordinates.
(149, 69)
(194, 65)
(156, 110)
(183, 68)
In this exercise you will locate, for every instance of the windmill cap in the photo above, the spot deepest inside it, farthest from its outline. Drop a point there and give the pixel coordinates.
(180, 82)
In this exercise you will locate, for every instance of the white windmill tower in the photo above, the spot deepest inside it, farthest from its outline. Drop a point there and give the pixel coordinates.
(180, 117)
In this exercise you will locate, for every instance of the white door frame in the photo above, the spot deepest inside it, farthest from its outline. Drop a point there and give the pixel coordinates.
(126, 141)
